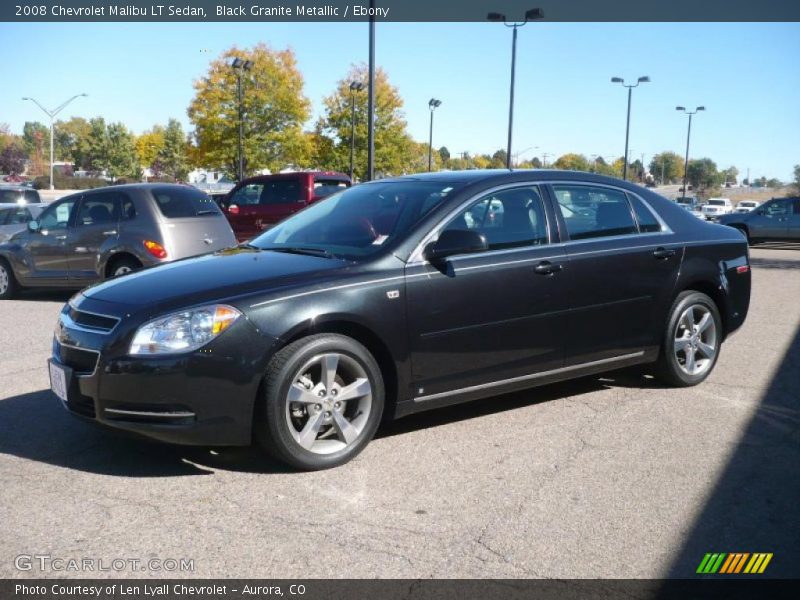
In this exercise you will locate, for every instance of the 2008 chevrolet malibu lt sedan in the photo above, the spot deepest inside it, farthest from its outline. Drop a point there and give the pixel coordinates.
(399, 296)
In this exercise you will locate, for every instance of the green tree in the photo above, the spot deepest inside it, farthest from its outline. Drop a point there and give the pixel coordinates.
(498, 159)
(730, 175)
(94, 153)
(274, 109)
(667, 167)
(173, 157)
(572, 162)
(774, 183)
(444, 155)
(797, 178)
(35, 137)
(70, 138)
(394, 150)
(121, 158)
(702, 173)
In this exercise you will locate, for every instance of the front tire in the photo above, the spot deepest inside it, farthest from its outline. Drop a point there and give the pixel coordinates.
(322, 402)
(8, 283)
(692, 340)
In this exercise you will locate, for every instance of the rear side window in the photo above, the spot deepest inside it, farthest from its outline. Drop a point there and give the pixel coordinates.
(32, 196)
(325, 187)
(180, 202)
(99, 209)
(592, 212)
(644, 216)
(281, 191)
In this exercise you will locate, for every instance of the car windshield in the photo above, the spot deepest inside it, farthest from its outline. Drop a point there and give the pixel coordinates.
(717, 202)
(358, 221)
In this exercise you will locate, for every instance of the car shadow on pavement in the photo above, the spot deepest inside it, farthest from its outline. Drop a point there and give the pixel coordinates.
(754, 506)
(46, 295)
(35, 427)
(774, 263)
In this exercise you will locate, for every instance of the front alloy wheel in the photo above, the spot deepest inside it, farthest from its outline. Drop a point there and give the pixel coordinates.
(8, 285)
(322, 403)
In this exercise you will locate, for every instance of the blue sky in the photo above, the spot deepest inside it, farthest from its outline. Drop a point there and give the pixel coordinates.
(746, 74)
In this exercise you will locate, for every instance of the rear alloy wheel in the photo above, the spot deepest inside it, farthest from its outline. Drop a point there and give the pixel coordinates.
(692, 341)
(323, 402)
(124, 266)
(8, 284)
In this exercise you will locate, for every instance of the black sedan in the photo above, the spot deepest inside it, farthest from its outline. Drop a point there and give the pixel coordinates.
(399, 296)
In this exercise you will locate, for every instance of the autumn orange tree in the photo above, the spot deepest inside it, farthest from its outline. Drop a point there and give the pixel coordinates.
(274, 110)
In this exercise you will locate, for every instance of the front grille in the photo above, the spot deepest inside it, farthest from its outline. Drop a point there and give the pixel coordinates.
(92, 321)
(80, 361)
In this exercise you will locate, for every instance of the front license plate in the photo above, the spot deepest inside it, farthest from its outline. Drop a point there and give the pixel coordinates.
(58, 381)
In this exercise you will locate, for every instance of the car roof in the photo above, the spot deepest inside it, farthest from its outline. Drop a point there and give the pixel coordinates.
(14, 187)
(28, 205)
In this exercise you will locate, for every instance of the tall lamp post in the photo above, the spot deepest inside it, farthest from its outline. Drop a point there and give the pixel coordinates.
(355, 86)
(688, 135)
(530, 15)
(52, 114)
(240, 65)
(433, 104)
(644, 79)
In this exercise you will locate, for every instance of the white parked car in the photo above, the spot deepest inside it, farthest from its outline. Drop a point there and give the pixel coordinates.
(745, 206)
(716, 207)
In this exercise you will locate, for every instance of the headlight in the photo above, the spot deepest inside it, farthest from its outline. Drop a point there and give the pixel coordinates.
(183, 331)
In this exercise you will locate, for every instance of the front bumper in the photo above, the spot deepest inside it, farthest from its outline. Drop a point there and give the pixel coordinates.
(201, 398)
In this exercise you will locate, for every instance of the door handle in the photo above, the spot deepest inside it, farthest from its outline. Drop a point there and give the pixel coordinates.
(110, 232)
(61, 237)
(664, 252)
(547, 268)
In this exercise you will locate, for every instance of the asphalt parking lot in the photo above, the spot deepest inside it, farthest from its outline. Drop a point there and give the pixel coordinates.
(610, 476)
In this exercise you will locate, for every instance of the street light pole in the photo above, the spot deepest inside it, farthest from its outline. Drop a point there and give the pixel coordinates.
(643, 79)
(355, 86)
(371, 96)
(533, 13)
(688, 136)
(52, 114)
(433, 104)
(240, 65)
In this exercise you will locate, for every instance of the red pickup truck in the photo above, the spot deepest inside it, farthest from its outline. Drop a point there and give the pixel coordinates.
(258, 203)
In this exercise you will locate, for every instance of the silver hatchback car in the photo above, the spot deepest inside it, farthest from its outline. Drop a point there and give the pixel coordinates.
(93, 235)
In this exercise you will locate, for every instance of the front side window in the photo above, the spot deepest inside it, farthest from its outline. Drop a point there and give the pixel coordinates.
(509, 218)
(778, 208)
(56, 216)
(325, 187)
(592, 212)
(248, 194)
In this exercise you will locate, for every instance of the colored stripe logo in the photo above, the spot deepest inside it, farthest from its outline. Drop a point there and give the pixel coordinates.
(734, 563)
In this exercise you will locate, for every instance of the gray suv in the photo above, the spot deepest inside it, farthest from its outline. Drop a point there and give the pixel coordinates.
(102, 233)
(775, 220)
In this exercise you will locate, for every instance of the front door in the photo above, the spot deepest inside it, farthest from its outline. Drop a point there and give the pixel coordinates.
(771, 221)
(622, 260)
(96, 224)
(46, 248)
(491, 316)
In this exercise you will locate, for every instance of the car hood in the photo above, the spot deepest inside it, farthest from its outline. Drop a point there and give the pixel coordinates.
(212, 277)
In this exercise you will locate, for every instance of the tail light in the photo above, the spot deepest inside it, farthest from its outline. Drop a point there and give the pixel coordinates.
(155, 249)
(233, 209)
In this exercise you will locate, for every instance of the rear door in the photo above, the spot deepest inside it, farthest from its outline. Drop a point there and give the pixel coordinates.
(793, 231)
(623, 263)
(262, 204)
(96, 225)
(191, 223)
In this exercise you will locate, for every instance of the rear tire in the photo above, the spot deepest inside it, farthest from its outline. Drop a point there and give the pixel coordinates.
(8, 283)
(692, 340)
(322, 402)
(122, 266)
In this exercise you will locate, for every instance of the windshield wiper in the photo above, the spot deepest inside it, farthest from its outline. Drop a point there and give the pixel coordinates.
(300, 250)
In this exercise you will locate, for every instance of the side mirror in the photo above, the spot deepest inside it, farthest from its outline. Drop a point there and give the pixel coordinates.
(33, 226)
(456, 241)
